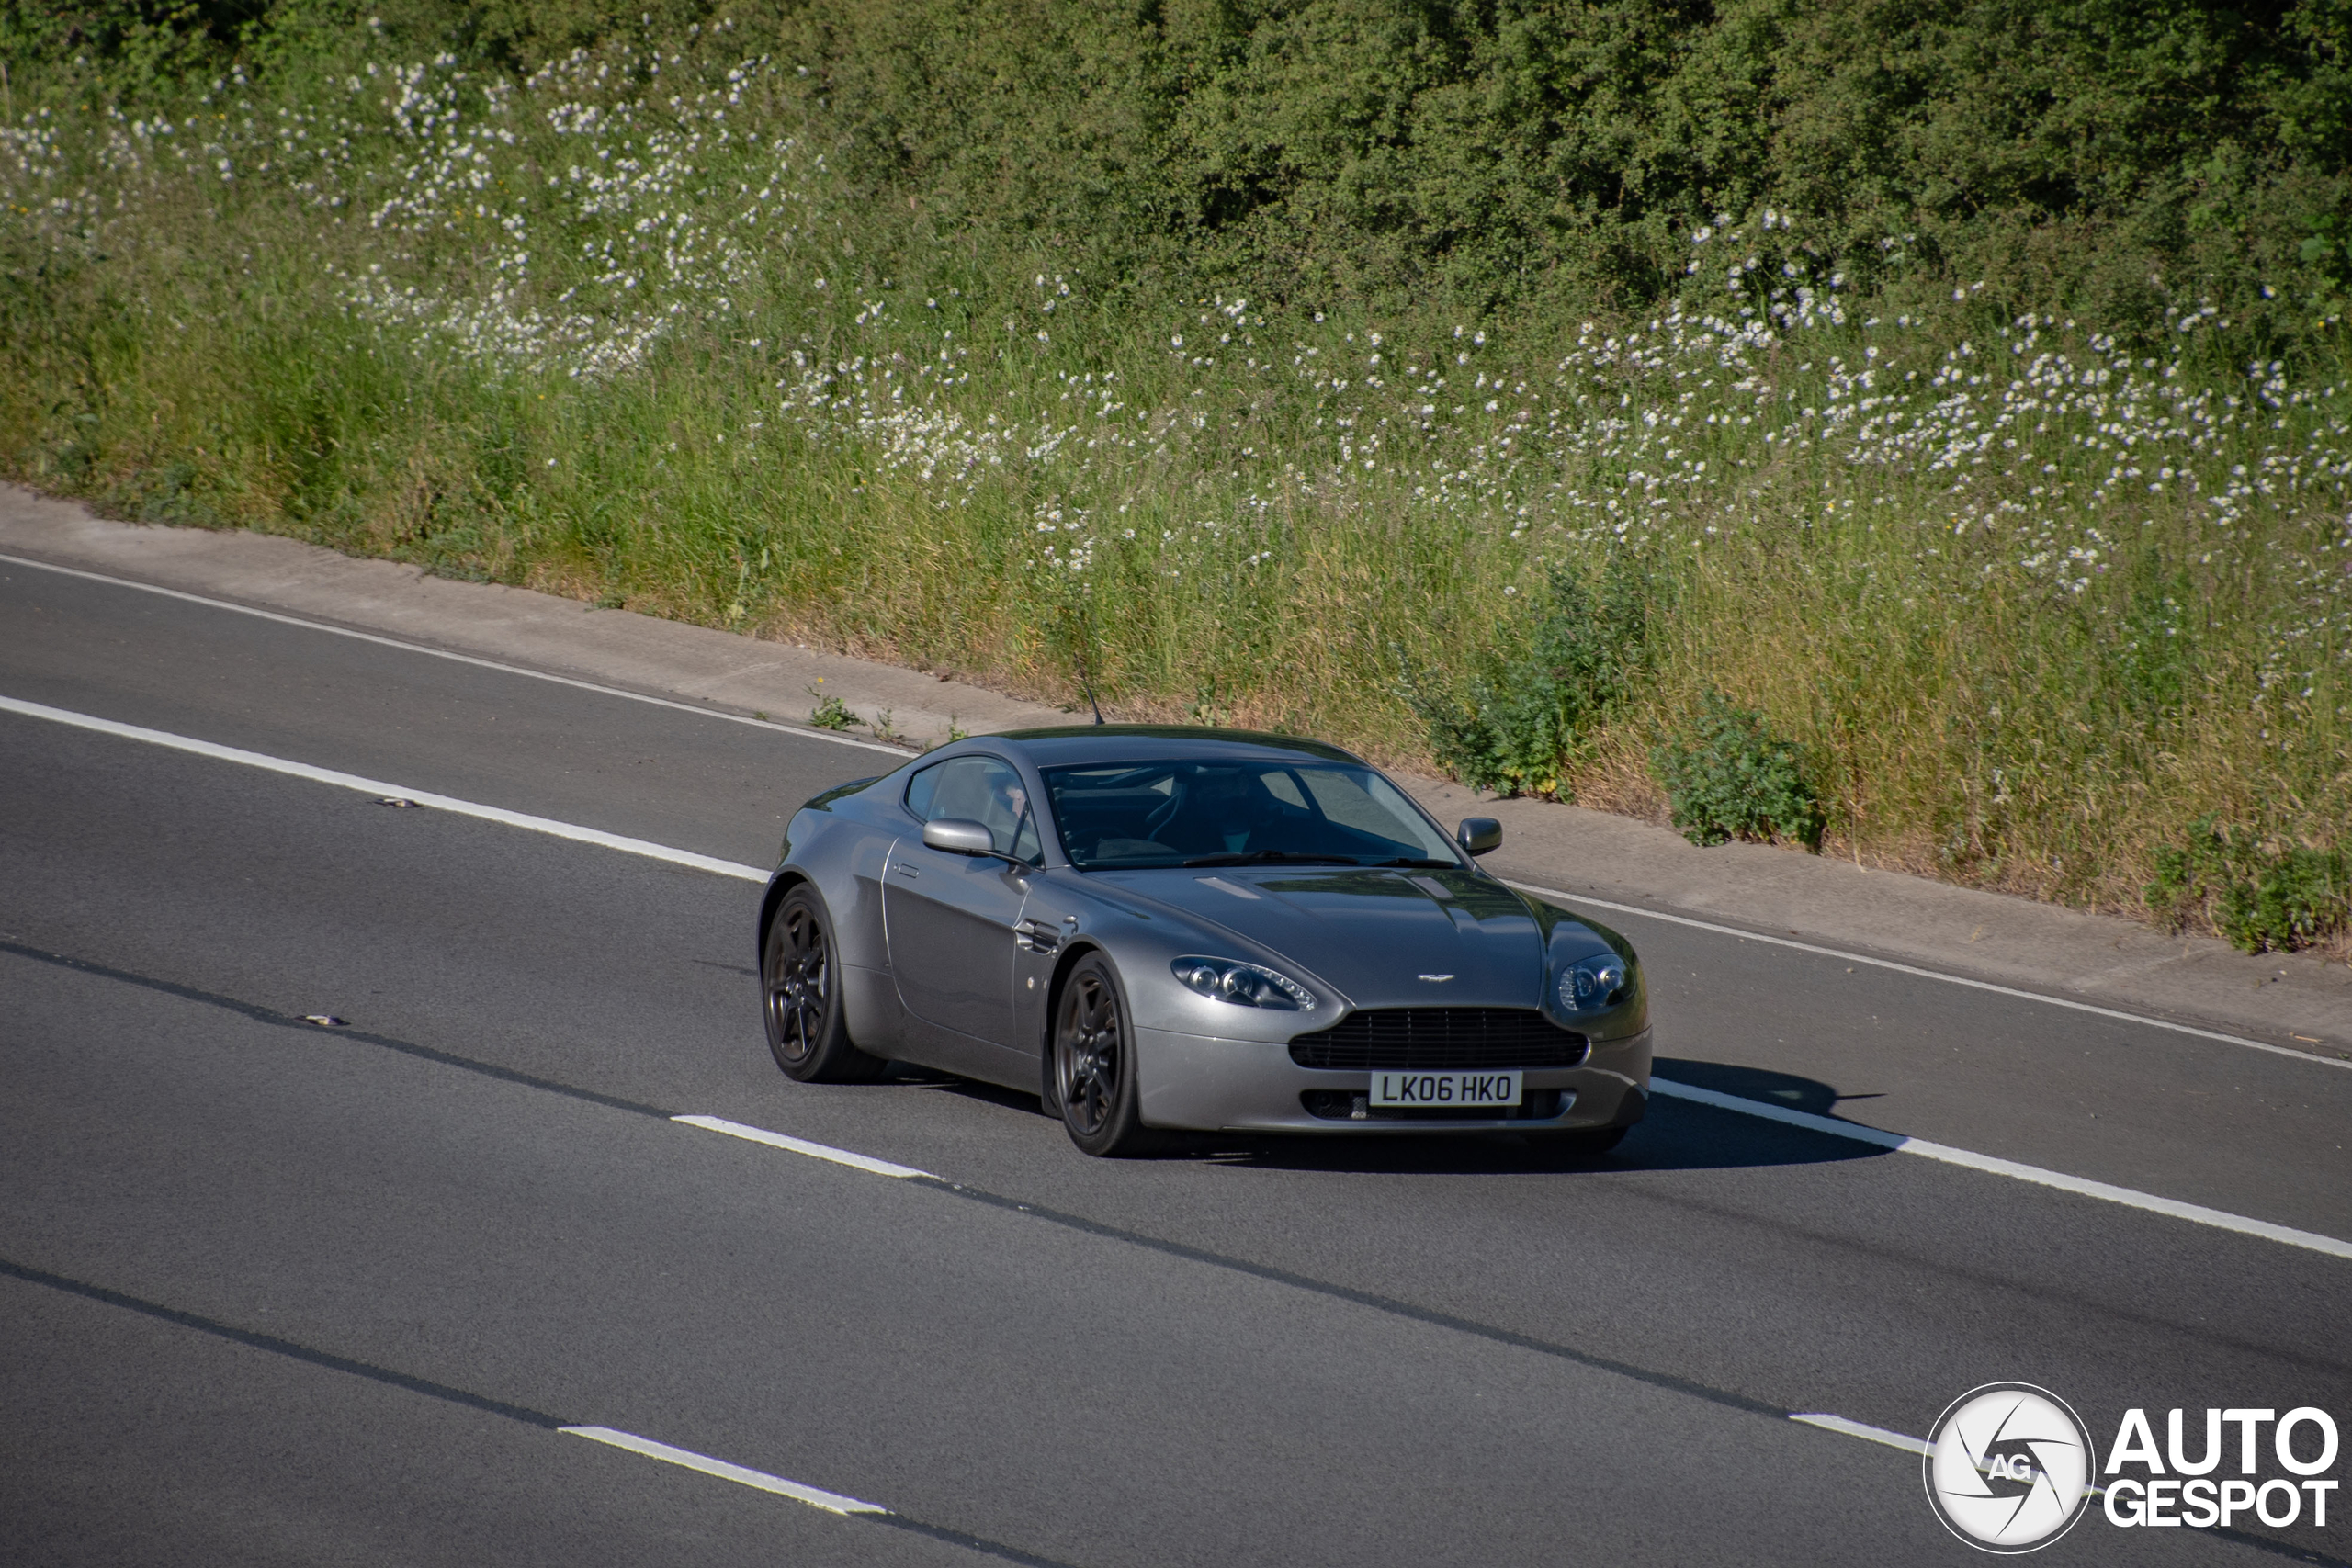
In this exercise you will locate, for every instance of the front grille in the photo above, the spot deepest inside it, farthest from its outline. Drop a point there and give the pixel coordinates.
(1440, 1039)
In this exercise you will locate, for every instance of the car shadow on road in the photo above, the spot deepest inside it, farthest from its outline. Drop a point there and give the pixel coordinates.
(907, 1076)
(1677, 1134)
(1684, 1135)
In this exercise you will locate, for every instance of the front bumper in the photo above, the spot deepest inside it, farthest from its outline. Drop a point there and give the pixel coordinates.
(1205, 1084)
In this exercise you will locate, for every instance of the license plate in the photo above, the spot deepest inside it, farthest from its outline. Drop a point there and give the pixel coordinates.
(1464, 1092)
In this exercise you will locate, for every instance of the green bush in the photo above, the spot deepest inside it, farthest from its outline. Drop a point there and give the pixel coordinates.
(2096, 157)
(1727, 776)
(2260, 894)
(1529, 714)
(1455, 152)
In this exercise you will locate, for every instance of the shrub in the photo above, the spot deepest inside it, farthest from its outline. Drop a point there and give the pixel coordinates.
(2257, 893)
(1727, 776)
(1529, 714)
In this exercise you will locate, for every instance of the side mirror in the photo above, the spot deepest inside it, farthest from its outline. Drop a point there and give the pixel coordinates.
(958, 836)
(1478, 834)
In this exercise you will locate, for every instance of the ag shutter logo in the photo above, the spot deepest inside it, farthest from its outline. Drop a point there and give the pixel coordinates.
(2008, 1467)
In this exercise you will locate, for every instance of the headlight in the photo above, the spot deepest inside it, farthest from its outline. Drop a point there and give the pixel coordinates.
(1244, 985)
(1593, 983)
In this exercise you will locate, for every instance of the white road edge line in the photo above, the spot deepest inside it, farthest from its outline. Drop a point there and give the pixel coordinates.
(2195, 1212)
(1868, 1434)
(380, 788)
(802, 1146)
(815, 1497)
(1925, 973)
(808, 733)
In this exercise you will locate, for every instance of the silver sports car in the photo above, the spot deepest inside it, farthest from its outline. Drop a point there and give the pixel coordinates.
(1159, 928)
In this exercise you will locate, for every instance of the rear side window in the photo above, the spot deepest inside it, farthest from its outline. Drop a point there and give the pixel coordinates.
(982, 790)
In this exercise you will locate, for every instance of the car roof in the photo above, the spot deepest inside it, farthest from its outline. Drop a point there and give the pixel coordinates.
(1080, 743)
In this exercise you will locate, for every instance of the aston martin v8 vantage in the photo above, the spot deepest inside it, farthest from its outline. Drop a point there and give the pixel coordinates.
(1161, 928)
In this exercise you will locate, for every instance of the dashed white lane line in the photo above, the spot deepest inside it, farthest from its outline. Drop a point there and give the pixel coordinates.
(815, 1497)
(1949, 980)
(2106, 1192)
(1897, 1142)
(390, 791)
(1868, 1434)
(802, 1146)
(381, 641)
(1909, 1445)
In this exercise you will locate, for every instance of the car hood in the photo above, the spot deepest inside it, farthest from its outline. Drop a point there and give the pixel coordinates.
(1376, 935)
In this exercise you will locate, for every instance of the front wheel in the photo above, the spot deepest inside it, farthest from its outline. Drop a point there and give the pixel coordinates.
(1094, 1064)
(799, 979)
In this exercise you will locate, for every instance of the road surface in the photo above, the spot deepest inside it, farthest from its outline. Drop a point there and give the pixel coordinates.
(275, 1292)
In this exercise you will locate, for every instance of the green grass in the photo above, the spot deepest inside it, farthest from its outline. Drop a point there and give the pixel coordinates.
(1927, 534)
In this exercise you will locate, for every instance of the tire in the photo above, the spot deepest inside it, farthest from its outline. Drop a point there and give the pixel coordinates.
(1091, 1057)
(800, 999)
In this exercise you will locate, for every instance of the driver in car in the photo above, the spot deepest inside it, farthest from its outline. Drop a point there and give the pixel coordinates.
(1008, 803)
(1225, 810)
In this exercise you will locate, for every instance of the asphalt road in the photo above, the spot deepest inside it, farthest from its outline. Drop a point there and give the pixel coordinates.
(276, 1292)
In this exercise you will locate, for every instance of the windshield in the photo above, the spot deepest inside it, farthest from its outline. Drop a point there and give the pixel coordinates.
(1225, 813)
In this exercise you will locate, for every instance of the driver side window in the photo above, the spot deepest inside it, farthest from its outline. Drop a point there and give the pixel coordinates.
(982, 790)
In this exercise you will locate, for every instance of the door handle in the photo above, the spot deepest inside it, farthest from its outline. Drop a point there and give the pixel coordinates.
(905, 870)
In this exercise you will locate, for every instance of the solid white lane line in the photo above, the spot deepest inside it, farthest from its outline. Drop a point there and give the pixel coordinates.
(2104, 1192)
(1840, 953)
(815, 1497)
(810, 733)
(378, 787)
(801, 1146)
(792, 729)
(2101, 1190)
(1868, 1434)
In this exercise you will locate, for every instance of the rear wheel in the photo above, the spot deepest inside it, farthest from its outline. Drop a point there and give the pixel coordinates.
(807, 1033)
(1093, 1063)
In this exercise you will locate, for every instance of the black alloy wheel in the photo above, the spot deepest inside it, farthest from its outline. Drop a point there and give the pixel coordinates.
(1094, 1063)
(806, 1033)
